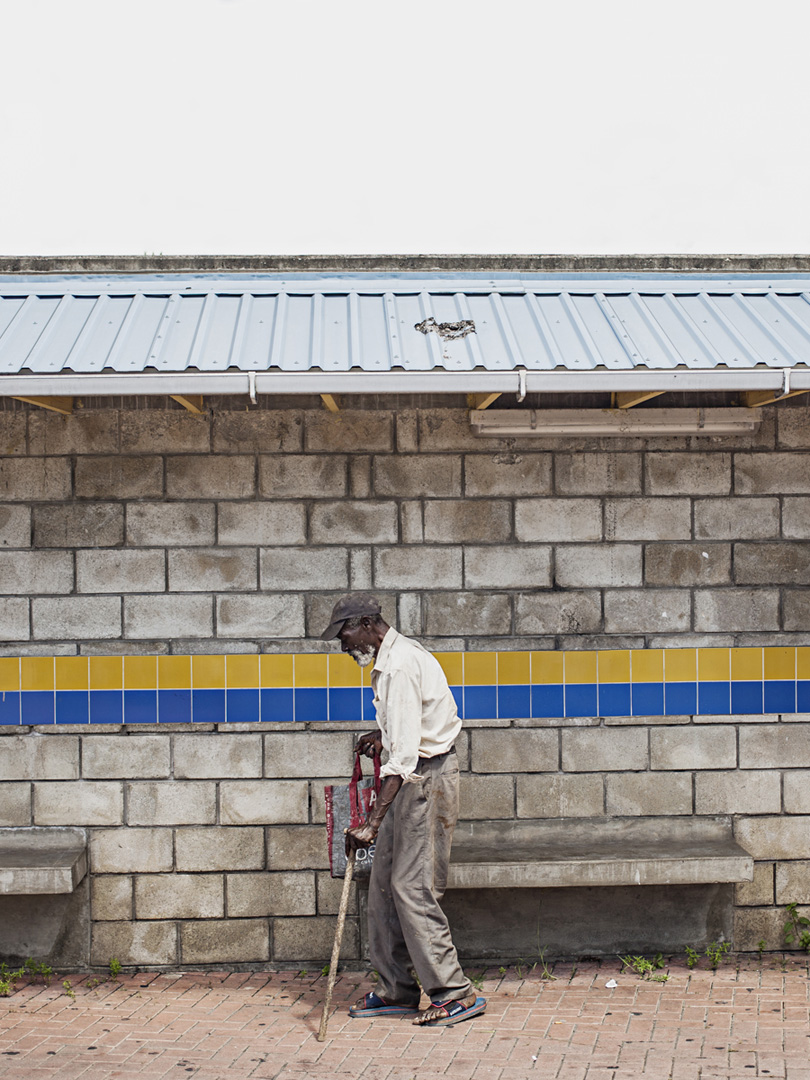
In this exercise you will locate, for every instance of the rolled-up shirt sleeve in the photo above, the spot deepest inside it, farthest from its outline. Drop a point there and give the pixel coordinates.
(403, 710)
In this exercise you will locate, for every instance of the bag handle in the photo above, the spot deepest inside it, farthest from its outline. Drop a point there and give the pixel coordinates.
(357, 776)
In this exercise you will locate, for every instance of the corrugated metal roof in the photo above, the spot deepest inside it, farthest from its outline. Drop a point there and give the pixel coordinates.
(414, 323)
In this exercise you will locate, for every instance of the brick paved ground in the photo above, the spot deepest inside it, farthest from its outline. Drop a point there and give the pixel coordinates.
(750, 1019)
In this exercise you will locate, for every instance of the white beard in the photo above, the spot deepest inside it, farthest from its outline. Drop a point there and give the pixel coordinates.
(363, 657)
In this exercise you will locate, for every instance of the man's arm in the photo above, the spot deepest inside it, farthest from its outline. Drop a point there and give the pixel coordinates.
(364, 835)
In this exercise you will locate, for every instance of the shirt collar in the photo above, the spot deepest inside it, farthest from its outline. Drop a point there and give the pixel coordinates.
(385, 649)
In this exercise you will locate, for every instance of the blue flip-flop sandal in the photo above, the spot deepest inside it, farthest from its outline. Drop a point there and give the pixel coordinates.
(373, 1005)
(455, 1012)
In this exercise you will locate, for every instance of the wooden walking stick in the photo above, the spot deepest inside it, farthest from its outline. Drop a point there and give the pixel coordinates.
(333, 966)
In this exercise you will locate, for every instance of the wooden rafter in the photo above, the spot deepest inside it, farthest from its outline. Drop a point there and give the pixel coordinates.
(635, 397)
(481, 401)
(62, 405)
(330, 402)
(754, 398)
(192, 402)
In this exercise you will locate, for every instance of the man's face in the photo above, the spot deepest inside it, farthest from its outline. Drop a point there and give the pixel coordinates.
(359, 642)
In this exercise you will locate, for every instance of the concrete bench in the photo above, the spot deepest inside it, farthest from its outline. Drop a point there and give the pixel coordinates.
(585, 852)
(38, 861)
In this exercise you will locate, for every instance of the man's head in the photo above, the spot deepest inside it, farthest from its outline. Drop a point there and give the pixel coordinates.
(357, 623)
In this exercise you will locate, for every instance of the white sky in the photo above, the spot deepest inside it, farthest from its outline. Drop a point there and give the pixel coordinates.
(359, 126)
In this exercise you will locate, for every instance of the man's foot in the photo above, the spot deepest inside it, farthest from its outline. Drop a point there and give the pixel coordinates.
(374, 1005)
(444, 1013)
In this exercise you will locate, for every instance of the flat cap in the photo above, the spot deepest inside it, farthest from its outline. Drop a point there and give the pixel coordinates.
(350, 606)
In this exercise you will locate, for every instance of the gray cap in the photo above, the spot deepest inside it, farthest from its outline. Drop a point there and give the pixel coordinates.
(351, 606)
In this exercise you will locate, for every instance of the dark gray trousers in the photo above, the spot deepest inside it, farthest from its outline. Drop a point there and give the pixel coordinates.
(407, 928)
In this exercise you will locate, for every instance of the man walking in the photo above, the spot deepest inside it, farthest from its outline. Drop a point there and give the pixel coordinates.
(412, 821)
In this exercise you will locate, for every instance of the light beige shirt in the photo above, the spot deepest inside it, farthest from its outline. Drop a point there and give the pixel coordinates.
(416, 712)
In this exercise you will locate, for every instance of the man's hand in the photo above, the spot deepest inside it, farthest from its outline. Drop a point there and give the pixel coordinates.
(362, 836)
(369, 744)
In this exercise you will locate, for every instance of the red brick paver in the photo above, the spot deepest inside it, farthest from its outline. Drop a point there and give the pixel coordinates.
(749, 1019)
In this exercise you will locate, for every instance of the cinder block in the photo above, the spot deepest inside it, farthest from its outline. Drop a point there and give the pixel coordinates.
(226, 754)
(581, 566)
(502, 566)
(291, 847)
(450, 521)
(449, 429)
(304, 568)
(417, 567)
(507, 474)
(556, 795)
(410, 476)
(170, 524)
(353, 522)
(780, 838)
(641, 794)
(348, 430)
(516, 751)
(129, 757)
(688, 473)
(275, 893)
(195, 476)
(171, 803)
(411, 522)
(262, 523)
(215, 848)
(168, 616)
(360, 476)
(262, 431)
(796, 785)
(360, 569)
(796, 609)
(794, 424)
(648, 519)
(730, 610)
(736, 519)
(111, 897)
(171, 431)
(306, 753)
(739, 792)
(486, 797)
(598, 474)
(31, 757)
(119, 477)
(90, 431)
(410, 614)
(752, 925)
(15, 526)
(27, 572)
(179, 896)
(303, 476)
(330, 891)
(130, 851)
(646, 611)
(274, 614)
(407, 430)
(15, 623)
(796, 518)
(76, 617)
(119, 571)
(775, 746)
(759, 891)
(603, 749)
(34, 479)
(453, 614)
(263, 802)
(793, 882)
(772, 473)
(772, 564)
(86, 802)
(558, 519)
(15, 804)
(78, 525)
(687, 565)
(558, 613)
(310, 940)
(212, 570)
(139, 943)
(712, 746)
(13, 428)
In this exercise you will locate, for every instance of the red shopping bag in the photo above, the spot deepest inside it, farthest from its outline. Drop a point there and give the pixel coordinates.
(347, 806)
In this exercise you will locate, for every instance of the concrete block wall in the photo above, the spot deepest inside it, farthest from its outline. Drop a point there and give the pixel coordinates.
(147, 530)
